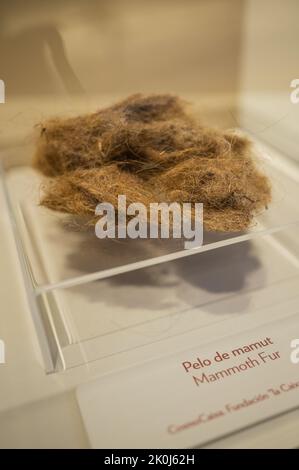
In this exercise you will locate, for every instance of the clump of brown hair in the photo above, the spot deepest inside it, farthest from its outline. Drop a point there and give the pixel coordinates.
(151, 150)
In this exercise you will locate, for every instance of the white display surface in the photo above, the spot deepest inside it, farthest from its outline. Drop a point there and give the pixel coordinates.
(94, 299)
(199, 395)
(183, 303)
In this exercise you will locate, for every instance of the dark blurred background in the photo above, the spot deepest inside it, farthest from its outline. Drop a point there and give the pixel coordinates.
(236, 58)
(100, 46)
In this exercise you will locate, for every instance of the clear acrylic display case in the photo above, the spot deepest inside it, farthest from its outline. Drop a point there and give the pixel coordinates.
(92, 298)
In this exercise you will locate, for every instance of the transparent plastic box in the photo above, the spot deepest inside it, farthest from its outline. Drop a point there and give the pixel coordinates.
(92, 299)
